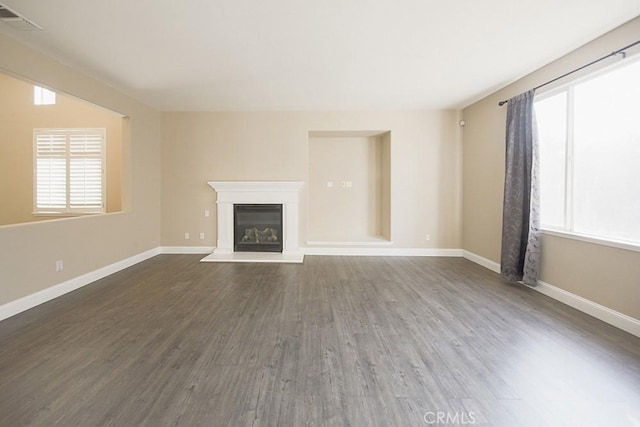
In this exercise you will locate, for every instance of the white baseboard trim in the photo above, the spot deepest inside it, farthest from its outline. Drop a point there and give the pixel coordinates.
(486, 263)
(25, 303)
(370, 251)
(607, 315)
(182, 250)
(331, 251)
(612, 317)
(373, 242)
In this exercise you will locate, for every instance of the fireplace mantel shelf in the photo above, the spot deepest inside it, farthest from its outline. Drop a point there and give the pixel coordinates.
(256, 192)
(269, 186)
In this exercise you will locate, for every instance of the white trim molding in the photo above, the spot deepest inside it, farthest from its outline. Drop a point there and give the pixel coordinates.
(619, 244)
(486, 263)
(372, 242)
(607, 315)
(25, 303)
(381, 251)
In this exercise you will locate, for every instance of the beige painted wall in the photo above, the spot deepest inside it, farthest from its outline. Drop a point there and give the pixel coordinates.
(18, 118)
(28, 252)
(340, 213)
(602, 274)
(425, 167)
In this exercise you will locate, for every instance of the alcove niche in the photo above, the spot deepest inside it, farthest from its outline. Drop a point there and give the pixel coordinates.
(349, 188)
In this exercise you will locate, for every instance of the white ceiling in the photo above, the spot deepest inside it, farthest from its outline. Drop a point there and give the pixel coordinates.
(313, 55)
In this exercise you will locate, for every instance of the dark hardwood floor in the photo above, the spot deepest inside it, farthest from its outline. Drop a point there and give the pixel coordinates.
(344, 341)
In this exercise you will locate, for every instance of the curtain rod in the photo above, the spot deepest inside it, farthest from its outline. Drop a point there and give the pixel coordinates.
(617, 52)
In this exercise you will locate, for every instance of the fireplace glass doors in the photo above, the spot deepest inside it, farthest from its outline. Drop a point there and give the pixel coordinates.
(257, 228)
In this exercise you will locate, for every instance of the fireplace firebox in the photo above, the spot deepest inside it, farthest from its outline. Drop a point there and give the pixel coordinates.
(257, 228)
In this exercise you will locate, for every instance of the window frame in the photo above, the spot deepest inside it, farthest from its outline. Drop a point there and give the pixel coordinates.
(68, 210)
(567, 231)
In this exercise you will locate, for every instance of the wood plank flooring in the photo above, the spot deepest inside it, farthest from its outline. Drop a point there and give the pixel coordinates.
(336, 341)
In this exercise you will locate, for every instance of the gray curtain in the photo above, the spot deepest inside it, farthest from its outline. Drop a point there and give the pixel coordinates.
(520, 219)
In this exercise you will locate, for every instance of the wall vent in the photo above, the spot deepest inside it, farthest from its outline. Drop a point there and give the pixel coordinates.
(16, 21)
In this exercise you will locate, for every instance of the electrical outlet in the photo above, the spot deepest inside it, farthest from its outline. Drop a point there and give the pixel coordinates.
(186, 236)
(59, 265)
(428, 236)
(201, 236)
(329, 184)
(349, 184)
(206, 212)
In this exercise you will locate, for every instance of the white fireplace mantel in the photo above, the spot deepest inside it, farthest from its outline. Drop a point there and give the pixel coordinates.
(257, 192)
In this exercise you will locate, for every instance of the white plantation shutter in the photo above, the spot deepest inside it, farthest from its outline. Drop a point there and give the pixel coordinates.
(69, 170)
(51, 171)
(85, 168)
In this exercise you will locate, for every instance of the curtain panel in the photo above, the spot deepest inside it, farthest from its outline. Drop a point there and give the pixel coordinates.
(520, 254)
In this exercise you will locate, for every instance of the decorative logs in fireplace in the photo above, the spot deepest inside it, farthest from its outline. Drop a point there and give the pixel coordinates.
(253, 235)
(257, 228)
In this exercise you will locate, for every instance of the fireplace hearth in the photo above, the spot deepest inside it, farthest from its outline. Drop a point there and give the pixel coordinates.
(257, 228)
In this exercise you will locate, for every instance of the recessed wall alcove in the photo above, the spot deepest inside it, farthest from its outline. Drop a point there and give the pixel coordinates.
(349, 188)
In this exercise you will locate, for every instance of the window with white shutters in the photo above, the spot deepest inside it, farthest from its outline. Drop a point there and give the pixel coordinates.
(69, 171)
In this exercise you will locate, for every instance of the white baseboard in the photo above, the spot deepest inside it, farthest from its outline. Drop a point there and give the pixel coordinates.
(337, 251)
(617, 319)
(181, 250)
(369, 251)
(612, 317)
(486, 263)
(607, 315)
(25, 303)
(372, 242)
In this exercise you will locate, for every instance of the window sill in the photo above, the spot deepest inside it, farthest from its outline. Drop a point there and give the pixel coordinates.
(65, 214)
(596, 240)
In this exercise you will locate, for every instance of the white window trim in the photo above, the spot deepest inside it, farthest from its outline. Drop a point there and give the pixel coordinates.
(68, 211)
(620, 244)
(568, 232)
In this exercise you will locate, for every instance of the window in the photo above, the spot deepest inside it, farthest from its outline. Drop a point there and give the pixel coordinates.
(589, 135)
(42, 96)
(69, 176)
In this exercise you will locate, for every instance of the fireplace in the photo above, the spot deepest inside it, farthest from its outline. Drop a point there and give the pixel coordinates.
(257, 228)
(280, 193)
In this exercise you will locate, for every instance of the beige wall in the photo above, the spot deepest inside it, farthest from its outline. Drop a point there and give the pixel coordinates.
(340, 213)
(18, 118)
(425, 167)
(602, 274)
(28, 252)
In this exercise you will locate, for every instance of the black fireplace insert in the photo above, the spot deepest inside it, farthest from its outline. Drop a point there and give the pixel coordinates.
(257, 228)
